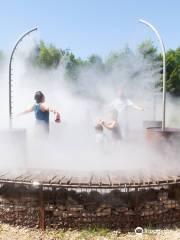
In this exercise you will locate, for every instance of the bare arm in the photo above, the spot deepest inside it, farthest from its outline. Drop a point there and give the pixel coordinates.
(109, 126)
(50, 109)
(31, 109)
(131, 104)
(45, 108)
(138, 108)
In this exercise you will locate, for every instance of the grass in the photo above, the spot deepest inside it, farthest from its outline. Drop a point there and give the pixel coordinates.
(16, 233)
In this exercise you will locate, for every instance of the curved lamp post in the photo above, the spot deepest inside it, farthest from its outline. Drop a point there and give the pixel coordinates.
(164, 68)
(10, 74)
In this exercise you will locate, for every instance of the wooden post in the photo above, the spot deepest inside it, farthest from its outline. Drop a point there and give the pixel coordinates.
(136, 197)
(41, 210)
(136, 206)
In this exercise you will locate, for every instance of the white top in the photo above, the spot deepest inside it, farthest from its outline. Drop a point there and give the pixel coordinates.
(122, 104)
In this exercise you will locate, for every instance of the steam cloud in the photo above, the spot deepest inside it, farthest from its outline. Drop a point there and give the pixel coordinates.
(71, 144)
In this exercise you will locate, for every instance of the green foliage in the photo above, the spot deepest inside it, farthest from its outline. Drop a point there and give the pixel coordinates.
(72, 65)
(173, 71)
(95, 60)
(115, 59)
(48, 56)
(147, 49)
(2, 57)
(93, 232)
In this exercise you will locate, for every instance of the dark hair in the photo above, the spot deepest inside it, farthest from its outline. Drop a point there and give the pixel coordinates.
(99, 127)
(39, 97)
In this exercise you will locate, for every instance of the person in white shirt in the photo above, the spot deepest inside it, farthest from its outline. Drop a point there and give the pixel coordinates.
(121, 105)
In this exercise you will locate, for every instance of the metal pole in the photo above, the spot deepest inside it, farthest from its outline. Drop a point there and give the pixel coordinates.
(10, 74)
(164, 69)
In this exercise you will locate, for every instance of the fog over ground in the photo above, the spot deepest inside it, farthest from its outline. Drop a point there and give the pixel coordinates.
(71, 144)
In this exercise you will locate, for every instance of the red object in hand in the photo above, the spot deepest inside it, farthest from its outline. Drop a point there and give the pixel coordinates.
(58, 118)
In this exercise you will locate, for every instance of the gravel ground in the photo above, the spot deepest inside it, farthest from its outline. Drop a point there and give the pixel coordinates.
(16, 233)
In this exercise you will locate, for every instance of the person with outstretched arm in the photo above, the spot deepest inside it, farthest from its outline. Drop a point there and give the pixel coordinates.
(42, 110)
(121, 104)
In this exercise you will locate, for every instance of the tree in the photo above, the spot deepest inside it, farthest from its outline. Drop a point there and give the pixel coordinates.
(118, 58)
(173, 71)
(147, 50)
(2, 58)
(95, 60)
(72, 65)
(47, 56)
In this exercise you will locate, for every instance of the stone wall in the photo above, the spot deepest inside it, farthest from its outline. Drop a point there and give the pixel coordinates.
(78, 209)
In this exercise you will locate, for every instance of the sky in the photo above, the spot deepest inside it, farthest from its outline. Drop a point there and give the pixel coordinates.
(90, 26)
